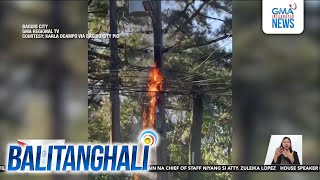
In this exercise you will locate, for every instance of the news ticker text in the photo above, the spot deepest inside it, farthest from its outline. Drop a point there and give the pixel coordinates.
(234, 168)
(227, 168)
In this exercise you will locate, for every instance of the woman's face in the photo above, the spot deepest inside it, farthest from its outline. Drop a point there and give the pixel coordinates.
(286, 144)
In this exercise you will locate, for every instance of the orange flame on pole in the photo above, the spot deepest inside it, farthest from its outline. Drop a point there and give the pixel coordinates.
(155, 85)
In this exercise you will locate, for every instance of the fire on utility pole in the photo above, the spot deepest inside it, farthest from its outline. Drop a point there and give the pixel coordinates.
(160, 124)
(153, 7)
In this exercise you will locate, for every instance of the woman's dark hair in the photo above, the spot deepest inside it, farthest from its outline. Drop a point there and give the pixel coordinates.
(290, 149)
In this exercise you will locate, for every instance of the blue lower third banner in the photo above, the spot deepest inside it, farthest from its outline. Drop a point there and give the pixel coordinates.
(235, 168)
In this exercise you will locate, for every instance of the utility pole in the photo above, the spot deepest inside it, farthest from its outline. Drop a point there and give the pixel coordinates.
(195, 132)
(114, 93)
(160, 124)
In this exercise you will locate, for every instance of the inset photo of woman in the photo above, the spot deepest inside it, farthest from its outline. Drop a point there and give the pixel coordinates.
(284, 149)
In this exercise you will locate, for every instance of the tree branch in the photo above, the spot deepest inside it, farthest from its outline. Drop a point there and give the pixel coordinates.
(195, 14)
(121, 46)
(98, 12)
(180, 15)
(209, 17)
(102, 56)
(216, 4)
(208, 42)
(101, 44)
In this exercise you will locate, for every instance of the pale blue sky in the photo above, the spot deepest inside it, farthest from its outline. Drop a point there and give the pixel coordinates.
(227, 44)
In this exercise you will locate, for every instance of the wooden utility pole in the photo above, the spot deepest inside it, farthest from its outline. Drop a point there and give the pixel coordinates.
(114, 92)
(195, 132)
(160, 124)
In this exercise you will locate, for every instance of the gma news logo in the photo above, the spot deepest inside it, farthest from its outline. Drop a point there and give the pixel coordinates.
(283, 17)
(47, 156)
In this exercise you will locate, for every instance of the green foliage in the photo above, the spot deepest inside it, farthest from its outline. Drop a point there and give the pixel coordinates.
(99, 123)
(130, 123)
